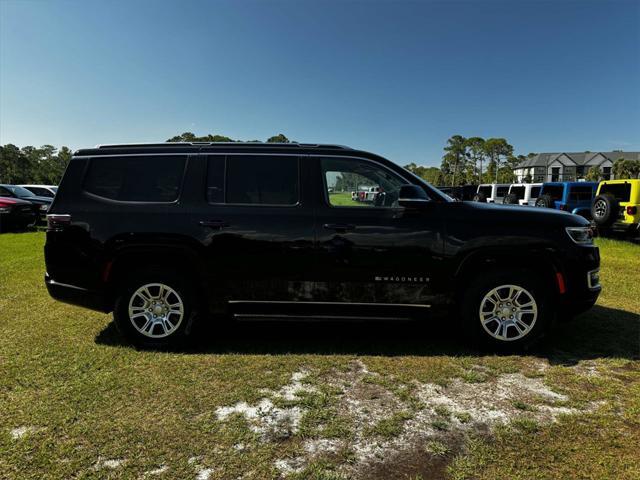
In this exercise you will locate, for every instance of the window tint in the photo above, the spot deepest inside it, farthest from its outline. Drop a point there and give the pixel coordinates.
(580, 193)
(621, 191)
(262, 179)
(485, 190)
(535, 192)
(5, 192)
(501, 191)
(136, 179)
(42, 192)
(518, 192)
(555, 191)
(357, 183)
(215, 179)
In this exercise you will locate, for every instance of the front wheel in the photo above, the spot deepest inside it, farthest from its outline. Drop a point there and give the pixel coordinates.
(154, 309)
(506, 310)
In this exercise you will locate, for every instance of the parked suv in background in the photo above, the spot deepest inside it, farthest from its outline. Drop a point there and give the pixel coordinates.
(16, 214)
(164, 235)
(617, 205)
(42, 190)
(572, 197)
(523, 194)
(491, 193)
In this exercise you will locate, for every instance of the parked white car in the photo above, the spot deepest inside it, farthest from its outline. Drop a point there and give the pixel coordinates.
(491, 192)
(42, 190)
(523, 194)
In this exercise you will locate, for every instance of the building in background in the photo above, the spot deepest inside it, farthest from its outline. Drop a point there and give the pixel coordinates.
(558, 167)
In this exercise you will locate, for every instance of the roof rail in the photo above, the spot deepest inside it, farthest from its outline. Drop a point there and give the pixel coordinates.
(226, 144)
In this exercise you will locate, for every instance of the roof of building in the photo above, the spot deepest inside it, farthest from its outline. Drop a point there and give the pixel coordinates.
(578, 158)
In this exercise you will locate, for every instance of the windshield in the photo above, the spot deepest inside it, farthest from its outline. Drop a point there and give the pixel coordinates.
(19, 191)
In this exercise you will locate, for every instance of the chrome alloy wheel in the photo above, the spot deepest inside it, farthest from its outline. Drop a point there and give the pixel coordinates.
(156, 310)
(600, 208)
(508, 312)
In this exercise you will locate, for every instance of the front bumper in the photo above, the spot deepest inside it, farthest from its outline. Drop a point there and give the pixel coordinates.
(581, 272)
(74, 295)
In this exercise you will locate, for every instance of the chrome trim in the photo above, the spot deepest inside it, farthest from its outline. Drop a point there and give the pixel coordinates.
(66, 285)
(253, 316)
(360, 304)
(589, 284)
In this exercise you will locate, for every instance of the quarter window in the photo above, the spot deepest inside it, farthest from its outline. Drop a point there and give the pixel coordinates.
(136, 179)
(357, 183)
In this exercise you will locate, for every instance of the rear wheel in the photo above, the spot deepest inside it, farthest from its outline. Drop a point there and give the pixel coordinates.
(544, 201)
(506, 310)
(155, 309)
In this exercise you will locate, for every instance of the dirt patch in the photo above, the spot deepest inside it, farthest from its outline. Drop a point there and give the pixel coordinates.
(390, 433)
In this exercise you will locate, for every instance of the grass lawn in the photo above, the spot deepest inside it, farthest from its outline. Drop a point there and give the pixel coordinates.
(303, 402)
(343, 199)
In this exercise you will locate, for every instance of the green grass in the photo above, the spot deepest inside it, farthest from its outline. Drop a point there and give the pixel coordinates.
(343, 199)
(86, 396)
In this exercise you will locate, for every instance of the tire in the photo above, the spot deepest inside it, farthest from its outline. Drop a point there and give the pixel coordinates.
(480, 197)
(544, 201)
(604, 210)
(511, 199)
(508, 335)
(172, 325)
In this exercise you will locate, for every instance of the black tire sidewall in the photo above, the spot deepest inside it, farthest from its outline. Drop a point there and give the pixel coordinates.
(610, 215)
(121, 309)
(544, 202)
(478, 288)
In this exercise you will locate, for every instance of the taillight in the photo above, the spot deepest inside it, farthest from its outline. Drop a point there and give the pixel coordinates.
(631, 210)
(57, 222)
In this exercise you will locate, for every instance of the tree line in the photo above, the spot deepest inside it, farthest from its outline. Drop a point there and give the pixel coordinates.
(465, 161)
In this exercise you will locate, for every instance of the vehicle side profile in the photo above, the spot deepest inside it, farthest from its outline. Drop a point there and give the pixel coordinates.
(572, 197)
(165, 235)
(491, 193)
(617, 205)
(523, 194)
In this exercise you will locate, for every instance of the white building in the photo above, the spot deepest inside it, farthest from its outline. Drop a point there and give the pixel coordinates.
(557, 167)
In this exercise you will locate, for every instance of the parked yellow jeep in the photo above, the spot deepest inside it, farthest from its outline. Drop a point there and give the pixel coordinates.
(617, 205)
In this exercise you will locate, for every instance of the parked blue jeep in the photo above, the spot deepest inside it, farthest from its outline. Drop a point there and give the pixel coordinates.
(574, 197)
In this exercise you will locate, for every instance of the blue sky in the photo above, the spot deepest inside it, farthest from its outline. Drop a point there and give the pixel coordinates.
(397, 78)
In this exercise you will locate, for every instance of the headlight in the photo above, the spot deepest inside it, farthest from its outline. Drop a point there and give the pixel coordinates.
(5, 209)
(44, 207)
(581, 235)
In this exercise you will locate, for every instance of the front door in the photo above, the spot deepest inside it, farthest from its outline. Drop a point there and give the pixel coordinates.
(371, 251)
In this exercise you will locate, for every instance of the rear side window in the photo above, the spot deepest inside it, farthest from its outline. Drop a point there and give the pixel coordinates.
(253, 180)
(518, 192)
(136, 178)
(621, 191)
(535, 192)
(501, 191)
(555, 191)
(579, 194)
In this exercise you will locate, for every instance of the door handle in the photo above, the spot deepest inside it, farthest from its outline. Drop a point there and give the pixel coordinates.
(339, 227)
(214, 224)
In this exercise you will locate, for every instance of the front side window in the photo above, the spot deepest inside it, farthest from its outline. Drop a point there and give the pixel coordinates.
(358, 183)
(501, 191)
(136, 178)
(486, 191)
(535, 192)
(253, 179)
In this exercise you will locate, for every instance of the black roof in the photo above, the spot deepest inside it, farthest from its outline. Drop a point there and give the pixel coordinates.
(189, 147)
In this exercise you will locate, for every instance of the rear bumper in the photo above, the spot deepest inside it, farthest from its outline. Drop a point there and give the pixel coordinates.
(74, 295)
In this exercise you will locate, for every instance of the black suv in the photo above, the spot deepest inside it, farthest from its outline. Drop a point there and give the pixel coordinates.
(167, 234)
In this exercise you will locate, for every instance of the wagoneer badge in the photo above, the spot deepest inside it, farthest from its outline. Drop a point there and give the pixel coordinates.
(402, 279)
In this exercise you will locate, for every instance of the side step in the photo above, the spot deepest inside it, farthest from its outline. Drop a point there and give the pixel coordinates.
(256, 317)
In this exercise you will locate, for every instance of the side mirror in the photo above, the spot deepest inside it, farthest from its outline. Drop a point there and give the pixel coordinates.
(412, 196)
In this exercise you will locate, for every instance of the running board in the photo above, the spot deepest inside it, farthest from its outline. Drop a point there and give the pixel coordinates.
(255, 317)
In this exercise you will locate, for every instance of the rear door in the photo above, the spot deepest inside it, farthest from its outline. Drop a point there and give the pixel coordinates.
(256, 225)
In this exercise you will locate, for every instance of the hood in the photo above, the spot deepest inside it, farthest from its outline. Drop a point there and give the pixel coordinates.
(523, 215)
